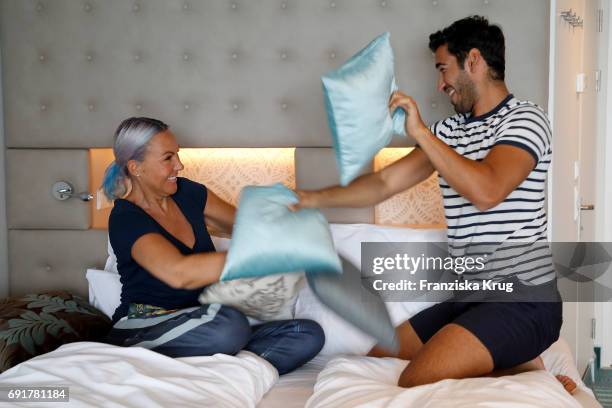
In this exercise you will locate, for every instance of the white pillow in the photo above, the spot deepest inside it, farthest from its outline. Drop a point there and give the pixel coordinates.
(340, 336)
(348, 237)
(104, 290)
(111, 261)
(558, 360)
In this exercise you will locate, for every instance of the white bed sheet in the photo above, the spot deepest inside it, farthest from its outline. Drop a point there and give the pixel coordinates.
(108, 376)
(350, 382)
(295, 389)
(102, 375)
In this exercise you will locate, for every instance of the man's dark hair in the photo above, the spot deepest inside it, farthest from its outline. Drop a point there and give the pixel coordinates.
(474, 32)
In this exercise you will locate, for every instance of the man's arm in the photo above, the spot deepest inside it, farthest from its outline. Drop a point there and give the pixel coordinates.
(372, 188)
(486, 183)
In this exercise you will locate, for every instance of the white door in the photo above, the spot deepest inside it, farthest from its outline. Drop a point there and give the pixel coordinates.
(591, 159)
(575, 103)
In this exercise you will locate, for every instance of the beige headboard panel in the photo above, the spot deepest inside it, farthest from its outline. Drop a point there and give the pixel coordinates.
(31, 174)
(47, 260)
(226, 73)
(418, 206)
(316, 168)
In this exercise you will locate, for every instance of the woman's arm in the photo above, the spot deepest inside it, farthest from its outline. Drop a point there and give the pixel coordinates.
(219, 214)
(164, 261)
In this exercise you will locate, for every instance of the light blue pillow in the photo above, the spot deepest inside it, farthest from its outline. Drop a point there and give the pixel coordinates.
(357, 104)
(269, 238)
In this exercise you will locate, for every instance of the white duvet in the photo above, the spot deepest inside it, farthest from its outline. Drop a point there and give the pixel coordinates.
(371, 382)
(102, 375)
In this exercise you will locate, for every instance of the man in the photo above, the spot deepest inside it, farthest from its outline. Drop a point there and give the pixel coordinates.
(492, 158)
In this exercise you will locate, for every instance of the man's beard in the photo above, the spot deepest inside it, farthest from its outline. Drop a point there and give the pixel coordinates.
(466, 91)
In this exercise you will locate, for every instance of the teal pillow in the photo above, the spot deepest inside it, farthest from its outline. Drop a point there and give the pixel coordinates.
(269, 238)
(357, 104)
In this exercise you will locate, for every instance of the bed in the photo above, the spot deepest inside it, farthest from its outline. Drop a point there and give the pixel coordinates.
(98, 374)
(297, 388)
(105, 375)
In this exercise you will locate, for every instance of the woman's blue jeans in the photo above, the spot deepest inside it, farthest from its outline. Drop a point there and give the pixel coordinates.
(209, 329)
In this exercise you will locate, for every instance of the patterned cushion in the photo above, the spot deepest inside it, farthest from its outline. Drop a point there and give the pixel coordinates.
(36, 324)
(267, 298)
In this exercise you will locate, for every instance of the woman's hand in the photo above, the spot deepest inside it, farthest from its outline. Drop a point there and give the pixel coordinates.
(414, 124)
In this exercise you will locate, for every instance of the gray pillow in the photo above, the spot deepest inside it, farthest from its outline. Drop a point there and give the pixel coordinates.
(345, 295)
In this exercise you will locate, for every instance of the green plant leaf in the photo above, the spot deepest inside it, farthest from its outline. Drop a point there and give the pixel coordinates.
(50, 304)
(25, 339)
(38, 334)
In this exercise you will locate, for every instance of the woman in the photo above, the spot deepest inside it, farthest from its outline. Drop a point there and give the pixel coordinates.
(165, 256)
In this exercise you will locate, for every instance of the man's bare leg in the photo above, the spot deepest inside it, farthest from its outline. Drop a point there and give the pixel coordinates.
(409, 344)
(411, 347)
(532, 365)
(453, 352)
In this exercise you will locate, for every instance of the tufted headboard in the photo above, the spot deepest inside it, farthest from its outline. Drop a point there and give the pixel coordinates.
(222, 73)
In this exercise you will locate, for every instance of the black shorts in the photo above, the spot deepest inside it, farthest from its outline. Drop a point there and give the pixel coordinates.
(514, 333)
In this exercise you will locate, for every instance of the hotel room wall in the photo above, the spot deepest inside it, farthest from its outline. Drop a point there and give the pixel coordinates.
(4, 272)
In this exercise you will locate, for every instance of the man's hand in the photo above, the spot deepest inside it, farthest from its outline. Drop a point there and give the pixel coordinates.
(307, 199)
(414, 124)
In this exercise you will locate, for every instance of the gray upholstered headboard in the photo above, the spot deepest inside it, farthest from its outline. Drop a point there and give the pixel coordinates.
(222, 73)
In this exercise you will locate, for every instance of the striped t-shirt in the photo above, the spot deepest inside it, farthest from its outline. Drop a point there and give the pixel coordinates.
(521, 217)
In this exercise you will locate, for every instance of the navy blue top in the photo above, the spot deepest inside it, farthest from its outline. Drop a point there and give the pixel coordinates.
(128, 222)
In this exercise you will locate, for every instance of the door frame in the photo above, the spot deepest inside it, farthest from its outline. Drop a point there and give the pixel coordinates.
(603, 311)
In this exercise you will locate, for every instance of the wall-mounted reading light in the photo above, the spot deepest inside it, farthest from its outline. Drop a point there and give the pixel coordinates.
(63, 190)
